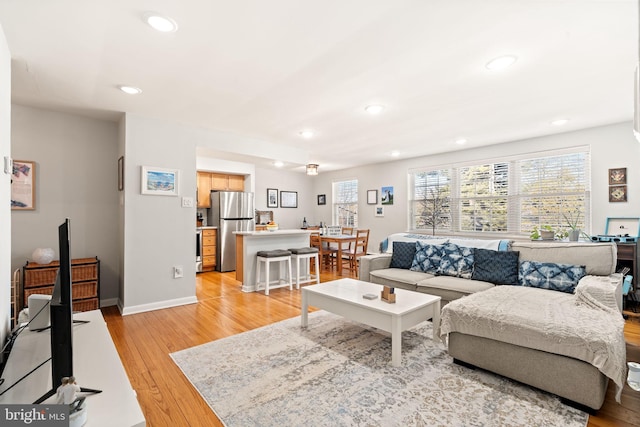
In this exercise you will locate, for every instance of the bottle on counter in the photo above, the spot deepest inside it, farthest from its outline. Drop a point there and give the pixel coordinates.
(321, 229)
(304, 223)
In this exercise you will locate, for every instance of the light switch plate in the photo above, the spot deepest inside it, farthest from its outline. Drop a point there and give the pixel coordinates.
(8, 165)
(187, 202)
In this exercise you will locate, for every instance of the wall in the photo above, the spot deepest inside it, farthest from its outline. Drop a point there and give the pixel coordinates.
(5, 188)
(158, 232)
(287, 181)
(612, 146)
(76, 160)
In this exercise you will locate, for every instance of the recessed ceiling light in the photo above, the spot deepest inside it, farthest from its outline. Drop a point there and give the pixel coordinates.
(395, 153)
(306, 133)
(501, 62)
(461, 141)
(160, 23)
(131, 90)
(559, 122)
(374, 109)
(278, 164)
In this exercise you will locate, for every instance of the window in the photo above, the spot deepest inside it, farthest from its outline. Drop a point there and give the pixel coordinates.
(503, 196)
(345, 203)
(431, 206)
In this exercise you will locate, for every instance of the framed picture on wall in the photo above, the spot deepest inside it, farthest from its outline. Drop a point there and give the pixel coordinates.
(617, 176)
(272, 197)
(387, 195)
(288, 199)
(380, 211)
(372, 197)
(159, 181)
(23, 185)
(322, 199)
(617, 193)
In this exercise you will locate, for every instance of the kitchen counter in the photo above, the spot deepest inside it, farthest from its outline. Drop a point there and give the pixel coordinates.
(271, 233)
(248, 243)
(207, 227)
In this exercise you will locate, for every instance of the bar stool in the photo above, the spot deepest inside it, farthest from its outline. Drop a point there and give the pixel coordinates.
(267, 257)
(306, 254)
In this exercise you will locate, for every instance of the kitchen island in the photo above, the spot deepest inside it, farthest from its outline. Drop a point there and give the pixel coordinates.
(248, 243)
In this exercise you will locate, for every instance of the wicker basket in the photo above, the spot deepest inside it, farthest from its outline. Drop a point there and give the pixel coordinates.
(86, 305)
(45, 290)
(40, 276)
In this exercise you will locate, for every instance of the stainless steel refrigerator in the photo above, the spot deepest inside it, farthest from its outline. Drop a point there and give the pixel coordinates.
(230, 211)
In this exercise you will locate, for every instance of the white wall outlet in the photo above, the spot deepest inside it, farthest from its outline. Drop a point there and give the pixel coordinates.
(187, 202)
(178, 272)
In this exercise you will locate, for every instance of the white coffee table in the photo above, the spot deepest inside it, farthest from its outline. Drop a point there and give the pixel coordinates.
(344, 297)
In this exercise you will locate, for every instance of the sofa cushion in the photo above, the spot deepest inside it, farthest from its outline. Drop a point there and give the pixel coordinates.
(499, 267)
(398, 277)
(548, 275)
(427, 258)
(403, 254)
(451, 288)
(456, 261)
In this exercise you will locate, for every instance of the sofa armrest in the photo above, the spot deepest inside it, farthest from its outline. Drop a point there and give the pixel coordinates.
(369, 263)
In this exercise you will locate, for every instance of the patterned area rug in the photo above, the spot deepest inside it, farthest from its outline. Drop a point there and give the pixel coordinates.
(338, 373)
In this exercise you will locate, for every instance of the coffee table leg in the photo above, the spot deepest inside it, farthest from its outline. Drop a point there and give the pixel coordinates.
(305, 309)
(435, 320)
(396, 342)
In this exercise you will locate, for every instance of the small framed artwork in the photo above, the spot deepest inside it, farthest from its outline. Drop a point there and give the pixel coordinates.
(23, 185)
(617, 176)
(617, 193)
(121, 173)
(379, 210)
(372, 197)
(322, 199)
(272, 197)
(387, 195)
(159, 181)
(288, 199)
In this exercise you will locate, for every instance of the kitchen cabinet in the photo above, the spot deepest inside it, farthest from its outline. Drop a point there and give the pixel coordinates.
(208, 181)
(209, 238)
(85, 279)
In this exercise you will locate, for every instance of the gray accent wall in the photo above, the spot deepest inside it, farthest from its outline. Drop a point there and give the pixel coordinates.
(76, 164)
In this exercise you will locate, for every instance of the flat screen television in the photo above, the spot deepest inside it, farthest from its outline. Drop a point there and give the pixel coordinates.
(61, 312)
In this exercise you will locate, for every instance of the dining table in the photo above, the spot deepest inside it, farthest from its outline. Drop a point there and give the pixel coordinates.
(341, 240)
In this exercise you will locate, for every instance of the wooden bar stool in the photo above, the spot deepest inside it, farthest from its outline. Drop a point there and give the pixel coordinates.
(267, 257)
(306, 254)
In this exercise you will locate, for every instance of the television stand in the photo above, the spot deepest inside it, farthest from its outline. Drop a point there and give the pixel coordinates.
(95, 361)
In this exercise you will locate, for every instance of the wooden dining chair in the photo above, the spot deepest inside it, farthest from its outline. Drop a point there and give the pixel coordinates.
(359, 249)
(326, 254)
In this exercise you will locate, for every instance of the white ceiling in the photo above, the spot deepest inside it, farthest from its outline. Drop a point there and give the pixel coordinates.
(268, 69)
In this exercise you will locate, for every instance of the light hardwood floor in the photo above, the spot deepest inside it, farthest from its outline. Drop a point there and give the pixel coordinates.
(144, 342)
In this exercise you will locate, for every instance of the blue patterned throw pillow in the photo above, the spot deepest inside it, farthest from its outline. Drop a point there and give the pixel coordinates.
(547, 275)
(456, 261)
(497, 267)
(403, 254)
(427, 258)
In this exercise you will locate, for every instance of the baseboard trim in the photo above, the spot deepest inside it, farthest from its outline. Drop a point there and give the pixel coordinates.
(155, 306)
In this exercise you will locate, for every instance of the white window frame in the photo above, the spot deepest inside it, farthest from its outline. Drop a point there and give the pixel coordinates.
(516, 195)
(344, 206)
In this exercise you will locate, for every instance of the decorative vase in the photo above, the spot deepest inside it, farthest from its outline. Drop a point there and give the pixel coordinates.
(574, 235)
(43, 255)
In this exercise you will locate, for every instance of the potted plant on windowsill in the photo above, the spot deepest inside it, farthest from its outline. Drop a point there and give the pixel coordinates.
(545, 232)
(574, 233)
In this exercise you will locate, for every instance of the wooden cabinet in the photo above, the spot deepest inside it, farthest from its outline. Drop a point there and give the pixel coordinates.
(85, 279)
(209, 237)
(628, 257)
(208, 181)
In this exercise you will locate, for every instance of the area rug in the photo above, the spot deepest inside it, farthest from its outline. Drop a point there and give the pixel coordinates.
(338, 373)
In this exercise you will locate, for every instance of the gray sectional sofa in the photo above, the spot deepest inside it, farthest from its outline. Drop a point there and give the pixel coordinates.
(526, 350)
